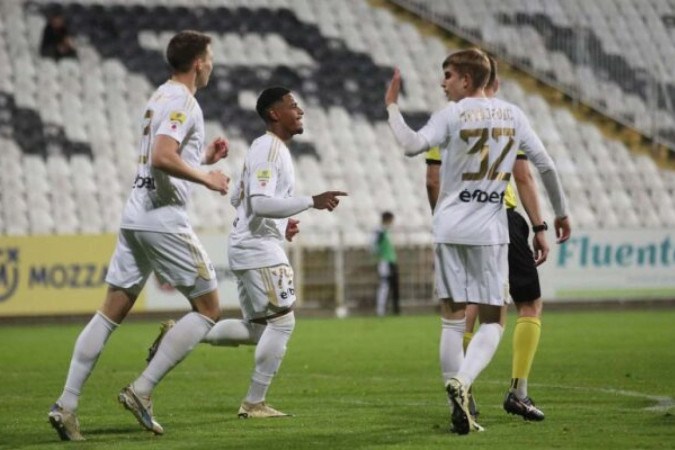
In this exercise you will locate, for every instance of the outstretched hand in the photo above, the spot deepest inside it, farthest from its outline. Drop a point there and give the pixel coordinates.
(328, 200)
(216, 151)
(394, 88)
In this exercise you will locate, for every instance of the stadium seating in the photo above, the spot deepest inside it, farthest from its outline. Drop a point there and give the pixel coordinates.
(68, 127)
(611, 54)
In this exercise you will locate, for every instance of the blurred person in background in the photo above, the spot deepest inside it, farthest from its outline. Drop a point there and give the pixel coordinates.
(387, 267)
(57, 41)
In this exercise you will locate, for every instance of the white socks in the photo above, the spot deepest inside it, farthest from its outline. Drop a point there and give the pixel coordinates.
(175, 346)
(87, 349)
(268, 355)
(451, 348)
(382, 295)
(480, 352)
(234, 332)
(521, 388)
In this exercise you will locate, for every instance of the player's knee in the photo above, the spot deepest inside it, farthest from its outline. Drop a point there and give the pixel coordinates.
(283, 324)
(529, 309)
(207, 307)
(211, 314)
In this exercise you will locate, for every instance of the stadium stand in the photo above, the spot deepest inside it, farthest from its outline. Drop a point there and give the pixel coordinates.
(612, 55)
(68, 127)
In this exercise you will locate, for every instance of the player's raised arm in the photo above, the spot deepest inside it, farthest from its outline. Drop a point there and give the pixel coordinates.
(412, 142)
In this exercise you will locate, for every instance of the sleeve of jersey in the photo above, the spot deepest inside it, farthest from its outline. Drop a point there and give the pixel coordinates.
(280, 208)
(262, 187)
(433, 156)
(535, 151)
(413, 142)
(177, 122)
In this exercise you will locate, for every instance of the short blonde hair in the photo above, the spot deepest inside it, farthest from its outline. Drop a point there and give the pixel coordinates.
(472, 62)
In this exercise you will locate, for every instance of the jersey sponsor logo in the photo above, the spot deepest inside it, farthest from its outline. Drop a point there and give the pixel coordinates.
(144, 183)
(481, 196)
(177, 118)
(288, 292)
(263, 176)
(9, 272)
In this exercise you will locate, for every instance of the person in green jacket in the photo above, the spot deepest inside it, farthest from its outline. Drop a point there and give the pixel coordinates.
(386, 266)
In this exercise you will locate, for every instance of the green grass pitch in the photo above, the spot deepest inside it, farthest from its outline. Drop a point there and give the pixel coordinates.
(604, 380)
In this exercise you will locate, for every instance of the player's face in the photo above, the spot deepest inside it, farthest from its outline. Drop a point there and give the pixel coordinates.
(205, 67)
(290, 115)
(453, 84)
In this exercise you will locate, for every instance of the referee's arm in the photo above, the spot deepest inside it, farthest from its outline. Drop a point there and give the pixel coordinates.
(433, 182)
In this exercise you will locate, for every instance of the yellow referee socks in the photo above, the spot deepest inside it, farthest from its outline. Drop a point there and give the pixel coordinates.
(467, 339)
(525, 343)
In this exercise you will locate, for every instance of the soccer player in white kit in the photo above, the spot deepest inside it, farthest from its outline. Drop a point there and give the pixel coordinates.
(265, 201)
(156, 236)
(479, 138)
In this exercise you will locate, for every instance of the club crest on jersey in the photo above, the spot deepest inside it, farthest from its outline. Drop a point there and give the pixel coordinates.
(263, 176)
(177, 118)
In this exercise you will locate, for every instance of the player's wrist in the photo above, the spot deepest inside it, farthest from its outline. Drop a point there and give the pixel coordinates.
(543, 226)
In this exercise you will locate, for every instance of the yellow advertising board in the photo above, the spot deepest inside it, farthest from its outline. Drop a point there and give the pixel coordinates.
(53, 274)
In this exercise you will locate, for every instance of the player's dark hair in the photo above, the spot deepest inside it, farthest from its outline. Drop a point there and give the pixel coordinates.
(472, 62)
(269, 97)
(387, 216)
(184, 48)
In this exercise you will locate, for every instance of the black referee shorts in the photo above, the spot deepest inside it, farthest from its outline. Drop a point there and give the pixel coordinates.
(523, 276)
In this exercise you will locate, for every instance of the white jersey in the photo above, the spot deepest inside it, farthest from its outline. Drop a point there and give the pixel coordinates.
(256, 241)
(479, 139)
(158, 201)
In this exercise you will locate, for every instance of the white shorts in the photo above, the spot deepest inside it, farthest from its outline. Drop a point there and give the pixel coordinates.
(266, 291)
(472, 273)
(176, 258)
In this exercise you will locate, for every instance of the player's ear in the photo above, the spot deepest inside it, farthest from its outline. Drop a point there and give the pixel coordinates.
(273, 115)
(467, 82)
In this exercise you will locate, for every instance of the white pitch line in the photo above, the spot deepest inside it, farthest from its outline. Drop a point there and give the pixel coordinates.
(663, 402)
